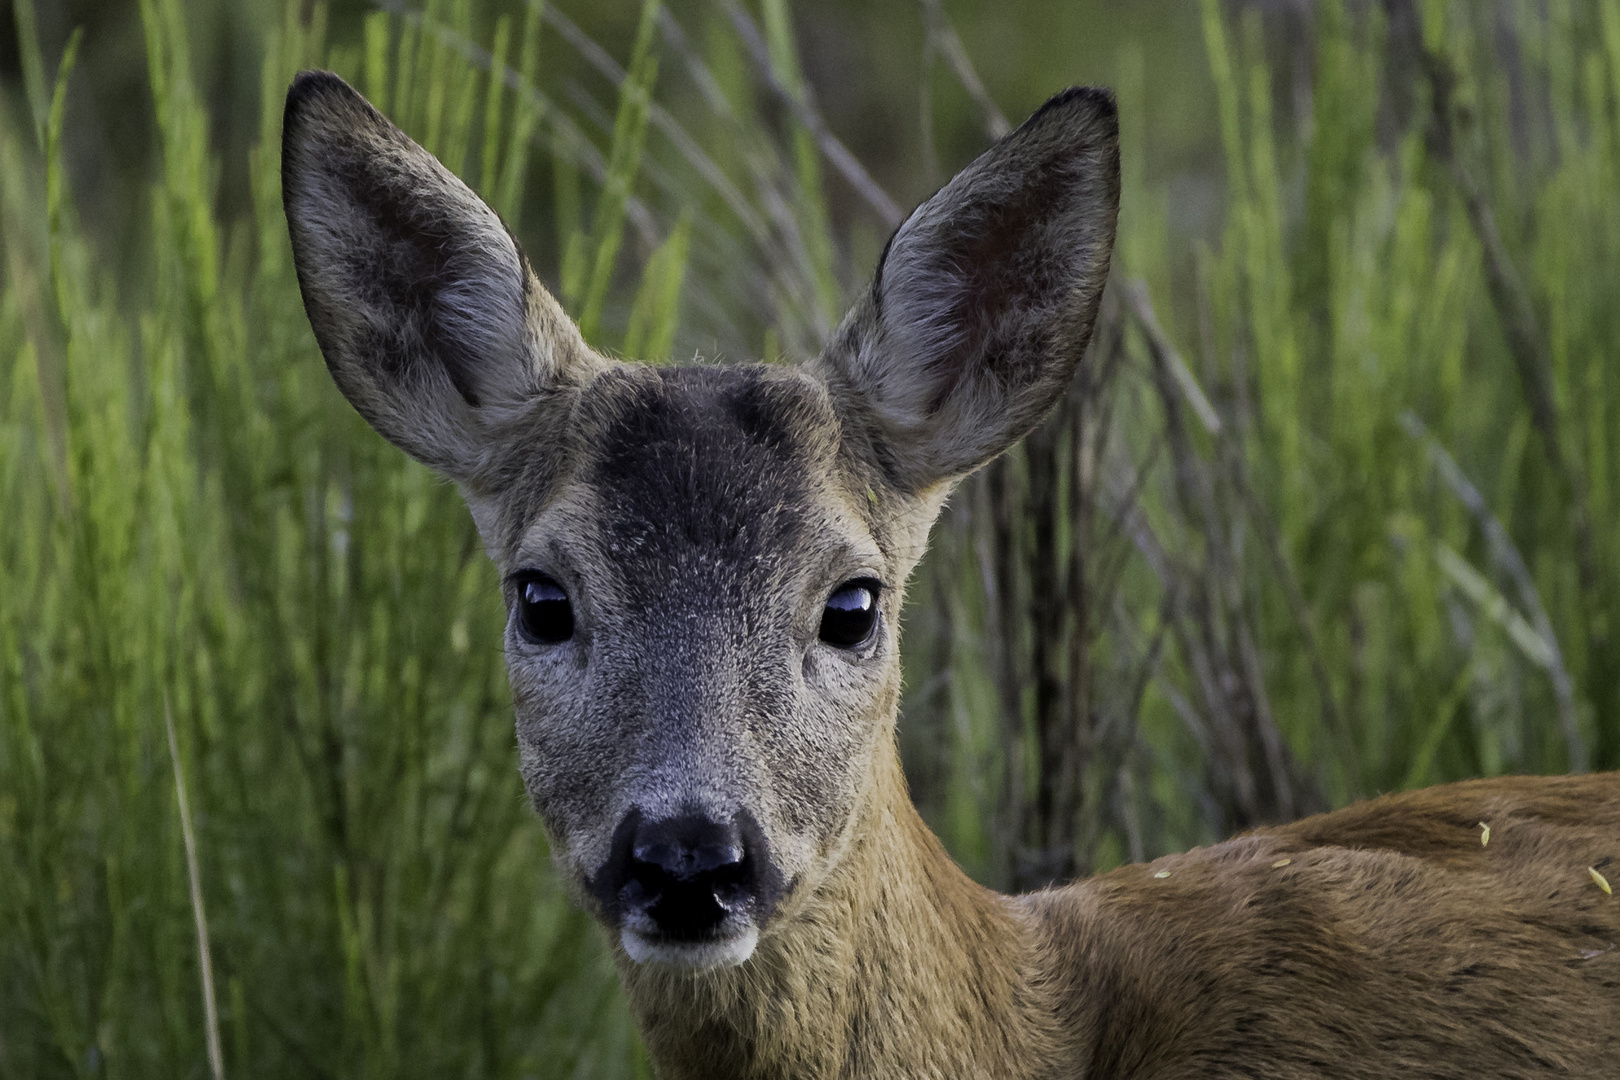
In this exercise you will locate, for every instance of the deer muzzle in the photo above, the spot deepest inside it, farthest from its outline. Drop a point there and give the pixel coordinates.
(692, 890)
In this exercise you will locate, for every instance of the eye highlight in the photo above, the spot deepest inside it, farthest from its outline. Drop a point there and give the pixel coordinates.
(851, 614)
(544, 615)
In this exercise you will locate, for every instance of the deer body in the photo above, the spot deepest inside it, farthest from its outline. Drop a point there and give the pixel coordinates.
(1390, 943)
(704, 567)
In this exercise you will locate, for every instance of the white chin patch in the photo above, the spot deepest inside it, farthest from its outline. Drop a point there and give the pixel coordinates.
(691, 955)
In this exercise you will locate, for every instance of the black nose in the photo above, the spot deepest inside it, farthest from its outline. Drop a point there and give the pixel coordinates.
(686, 873)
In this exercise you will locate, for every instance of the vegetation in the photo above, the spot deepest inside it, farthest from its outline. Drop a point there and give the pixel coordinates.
(1331, 509)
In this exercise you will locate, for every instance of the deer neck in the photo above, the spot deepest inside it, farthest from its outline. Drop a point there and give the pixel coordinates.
(896, 965)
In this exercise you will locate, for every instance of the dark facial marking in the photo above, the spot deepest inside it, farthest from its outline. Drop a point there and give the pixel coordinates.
(707, 460)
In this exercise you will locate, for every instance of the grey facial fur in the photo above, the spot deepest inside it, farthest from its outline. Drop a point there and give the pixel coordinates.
(698, 518)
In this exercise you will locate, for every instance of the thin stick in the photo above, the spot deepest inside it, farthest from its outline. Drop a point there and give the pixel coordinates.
(1163, 350)
(1516, 310)
(942, 36)
(666, 124)
(216, 1058)
(836, 153)
(1508, 560)
(589, 157)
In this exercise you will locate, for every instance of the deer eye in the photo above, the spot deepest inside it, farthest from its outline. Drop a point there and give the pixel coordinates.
(850, 614)
(545, 617)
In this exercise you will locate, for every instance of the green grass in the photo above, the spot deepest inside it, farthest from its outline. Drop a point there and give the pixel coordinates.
(1303, 531)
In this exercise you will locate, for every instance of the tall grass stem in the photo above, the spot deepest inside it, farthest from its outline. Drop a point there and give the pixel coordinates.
(205, 962)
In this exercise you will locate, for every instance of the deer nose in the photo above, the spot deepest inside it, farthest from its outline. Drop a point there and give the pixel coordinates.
(688, 873)
(705, 849)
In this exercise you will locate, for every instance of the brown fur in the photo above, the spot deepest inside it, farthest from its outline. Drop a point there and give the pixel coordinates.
(698, 520)
(1392, 943)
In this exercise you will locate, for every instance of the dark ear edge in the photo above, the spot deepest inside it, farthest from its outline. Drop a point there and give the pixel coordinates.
(984, 299)
(427, 314)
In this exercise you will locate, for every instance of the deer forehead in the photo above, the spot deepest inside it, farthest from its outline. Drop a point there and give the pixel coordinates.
(729, 478)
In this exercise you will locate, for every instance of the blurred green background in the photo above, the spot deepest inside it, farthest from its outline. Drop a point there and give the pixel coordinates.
(1329, 510)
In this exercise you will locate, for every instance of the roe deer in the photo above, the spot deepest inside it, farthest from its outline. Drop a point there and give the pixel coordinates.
(704, 568)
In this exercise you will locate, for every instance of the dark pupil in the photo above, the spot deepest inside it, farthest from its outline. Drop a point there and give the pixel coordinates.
(850, 614)
(544, 614)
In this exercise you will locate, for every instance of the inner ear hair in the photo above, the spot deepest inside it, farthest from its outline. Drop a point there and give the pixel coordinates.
(984, 299)
(430, 320)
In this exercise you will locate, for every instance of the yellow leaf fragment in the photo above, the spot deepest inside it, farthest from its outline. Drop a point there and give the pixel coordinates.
(1484, 834)
(1166, 873)
(1280, 863)
(1602, 882)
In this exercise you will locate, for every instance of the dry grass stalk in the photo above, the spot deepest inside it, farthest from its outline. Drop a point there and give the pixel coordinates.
(205, 963)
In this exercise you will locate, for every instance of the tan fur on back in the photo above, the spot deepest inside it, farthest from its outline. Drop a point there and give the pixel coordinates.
(1391, 944)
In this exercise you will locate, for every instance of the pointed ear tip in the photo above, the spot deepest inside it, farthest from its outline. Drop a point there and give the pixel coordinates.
(1089, 108)
(323, 90)
(314, 85)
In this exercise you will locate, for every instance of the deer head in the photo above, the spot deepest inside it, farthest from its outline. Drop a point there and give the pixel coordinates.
(703, 564)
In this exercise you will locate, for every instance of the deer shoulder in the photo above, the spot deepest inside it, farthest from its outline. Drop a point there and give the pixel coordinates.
(1382, 939)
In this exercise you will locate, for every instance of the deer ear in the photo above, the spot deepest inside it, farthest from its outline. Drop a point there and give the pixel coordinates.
(427, 313)
(984, 299)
